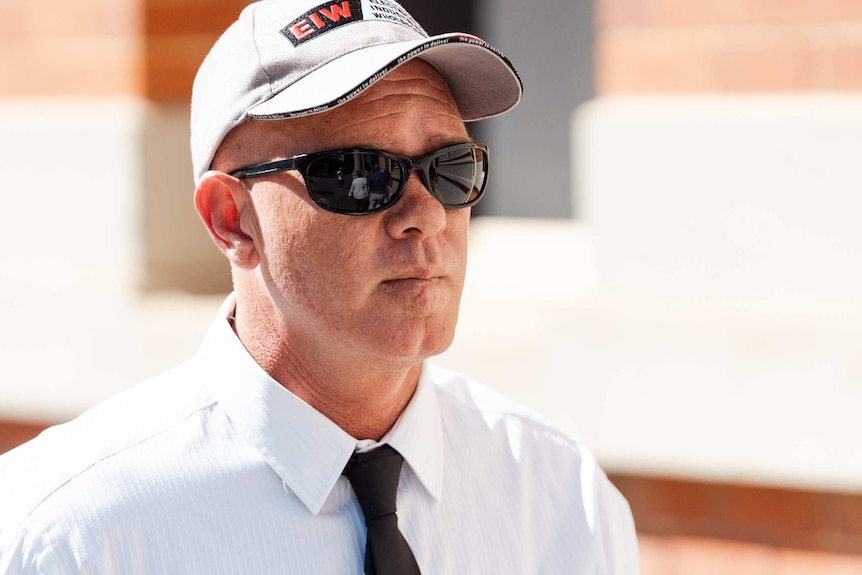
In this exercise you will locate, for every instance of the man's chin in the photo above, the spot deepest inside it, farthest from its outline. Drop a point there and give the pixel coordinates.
(412, 346)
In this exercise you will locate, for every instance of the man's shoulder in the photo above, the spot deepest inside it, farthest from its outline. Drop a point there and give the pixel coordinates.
(483, 410)
(84, 448)
(537, 466)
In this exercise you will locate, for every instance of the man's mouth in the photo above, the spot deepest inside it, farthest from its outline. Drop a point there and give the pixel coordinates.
(409, 282)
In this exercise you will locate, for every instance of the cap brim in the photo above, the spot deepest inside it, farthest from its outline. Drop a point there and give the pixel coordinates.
(483, 81)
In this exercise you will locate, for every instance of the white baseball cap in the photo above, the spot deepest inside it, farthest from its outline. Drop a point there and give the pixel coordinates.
(290, 58)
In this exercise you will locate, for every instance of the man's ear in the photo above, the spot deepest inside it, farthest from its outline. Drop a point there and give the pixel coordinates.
(220, 200)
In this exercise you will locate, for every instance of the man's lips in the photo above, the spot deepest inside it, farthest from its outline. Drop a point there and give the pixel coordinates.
(418, 274)
(412, 280)
(418, 277)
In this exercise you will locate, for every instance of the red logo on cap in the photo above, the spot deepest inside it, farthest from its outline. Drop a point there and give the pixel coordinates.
(322, 19)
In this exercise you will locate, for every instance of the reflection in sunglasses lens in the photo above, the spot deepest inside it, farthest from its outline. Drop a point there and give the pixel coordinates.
(456, 177)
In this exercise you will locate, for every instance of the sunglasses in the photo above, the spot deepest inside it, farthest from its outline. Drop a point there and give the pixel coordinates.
(359, 181)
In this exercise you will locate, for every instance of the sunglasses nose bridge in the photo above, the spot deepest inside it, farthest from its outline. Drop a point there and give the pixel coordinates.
(423, 167)
(423, 176)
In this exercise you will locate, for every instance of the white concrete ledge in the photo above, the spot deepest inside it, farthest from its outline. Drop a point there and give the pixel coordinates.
(725, 198)
(718, 392)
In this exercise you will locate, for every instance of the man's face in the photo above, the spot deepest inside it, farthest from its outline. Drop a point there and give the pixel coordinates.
(382, 286)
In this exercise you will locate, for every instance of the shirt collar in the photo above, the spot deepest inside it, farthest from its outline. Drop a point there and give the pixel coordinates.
(418, 436)
(305, 448)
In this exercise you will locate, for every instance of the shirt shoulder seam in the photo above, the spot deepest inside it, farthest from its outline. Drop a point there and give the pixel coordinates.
(210, 402)
(519, 413)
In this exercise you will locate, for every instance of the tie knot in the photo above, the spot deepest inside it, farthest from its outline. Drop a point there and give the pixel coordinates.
(374, 478)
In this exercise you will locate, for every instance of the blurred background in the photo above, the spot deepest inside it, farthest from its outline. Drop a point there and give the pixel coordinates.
(668, 263)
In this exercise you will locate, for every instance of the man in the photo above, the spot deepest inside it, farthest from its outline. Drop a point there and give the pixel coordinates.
(269, 451)
(377, 183)
(359, 191)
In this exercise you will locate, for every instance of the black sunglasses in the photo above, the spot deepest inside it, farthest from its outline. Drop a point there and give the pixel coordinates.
(360, 181)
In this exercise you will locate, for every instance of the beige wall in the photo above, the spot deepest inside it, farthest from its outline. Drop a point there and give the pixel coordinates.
(718, 174)
(177, 252)
(127, 64)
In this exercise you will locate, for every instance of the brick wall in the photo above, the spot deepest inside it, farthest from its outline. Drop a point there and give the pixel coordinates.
(668, 46)
(777, 517)
(179, 33)
(106, 48)
(81, 48)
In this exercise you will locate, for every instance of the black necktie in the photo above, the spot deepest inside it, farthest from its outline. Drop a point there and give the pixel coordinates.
(374, 477)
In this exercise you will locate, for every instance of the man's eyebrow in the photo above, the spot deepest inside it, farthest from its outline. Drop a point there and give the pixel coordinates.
(441, 141)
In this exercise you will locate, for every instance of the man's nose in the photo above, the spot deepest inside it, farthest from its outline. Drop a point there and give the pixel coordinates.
(416, 212)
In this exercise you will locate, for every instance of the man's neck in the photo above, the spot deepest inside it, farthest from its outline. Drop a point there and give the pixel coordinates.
(363, 397)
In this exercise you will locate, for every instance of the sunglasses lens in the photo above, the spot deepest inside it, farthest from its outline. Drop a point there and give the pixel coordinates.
(458, 175)
(364, 182)
(353, 182)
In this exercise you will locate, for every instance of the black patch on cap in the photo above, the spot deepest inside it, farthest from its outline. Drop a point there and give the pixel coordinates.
(322, 19)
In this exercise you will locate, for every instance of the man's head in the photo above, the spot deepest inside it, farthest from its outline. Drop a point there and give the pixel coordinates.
(382, 286)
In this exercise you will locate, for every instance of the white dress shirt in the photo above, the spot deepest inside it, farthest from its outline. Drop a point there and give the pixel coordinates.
(213, 467)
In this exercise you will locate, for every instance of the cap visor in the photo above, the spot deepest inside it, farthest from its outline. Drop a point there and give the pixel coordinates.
(483, 82)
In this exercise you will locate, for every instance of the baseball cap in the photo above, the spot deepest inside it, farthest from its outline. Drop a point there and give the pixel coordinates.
(290, 58)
